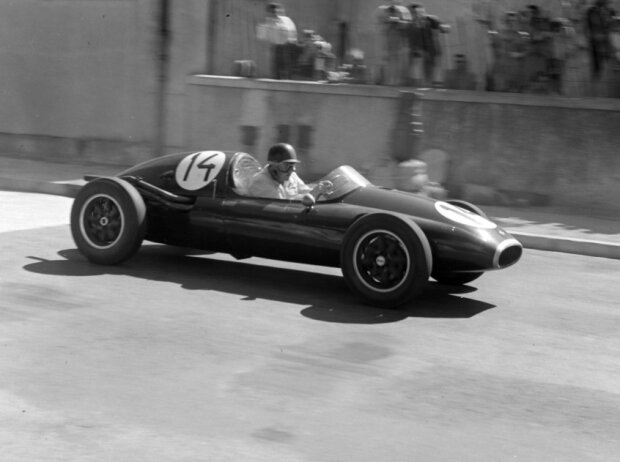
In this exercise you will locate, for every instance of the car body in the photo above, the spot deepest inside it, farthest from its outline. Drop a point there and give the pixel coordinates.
(387, 242)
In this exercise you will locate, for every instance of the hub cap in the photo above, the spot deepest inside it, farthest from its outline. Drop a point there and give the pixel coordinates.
(101, 221)
(381, 260)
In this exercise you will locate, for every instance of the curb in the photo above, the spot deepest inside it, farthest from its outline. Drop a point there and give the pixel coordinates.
(59, 188)
(585, 247)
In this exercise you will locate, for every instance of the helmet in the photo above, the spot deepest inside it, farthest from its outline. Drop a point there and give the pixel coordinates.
(282, 152)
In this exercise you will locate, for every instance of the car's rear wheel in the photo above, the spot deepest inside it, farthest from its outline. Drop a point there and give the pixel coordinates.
(386, 260)
(108, 220)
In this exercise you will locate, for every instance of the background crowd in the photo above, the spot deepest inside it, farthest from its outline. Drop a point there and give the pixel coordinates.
(528, 50)
(533, 52)
(303, 56)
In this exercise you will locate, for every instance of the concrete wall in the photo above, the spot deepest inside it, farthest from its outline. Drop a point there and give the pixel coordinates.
(530, 149)
(329, 125)
(78, 80)
(75, 69)
(81, 77)
(567, 149)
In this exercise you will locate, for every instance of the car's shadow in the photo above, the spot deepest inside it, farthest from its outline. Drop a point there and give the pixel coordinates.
(326, 296)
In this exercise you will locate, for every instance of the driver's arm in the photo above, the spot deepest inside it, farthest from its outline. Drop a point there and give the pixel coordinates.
(320, 188)
(262, 186)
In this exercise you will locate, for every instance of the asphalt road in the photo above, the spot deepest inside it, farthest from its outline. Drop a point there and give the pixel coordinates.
(178, 356)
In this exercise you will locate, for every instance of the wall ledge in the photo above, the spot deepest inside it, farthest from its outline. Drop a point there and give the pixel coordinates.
(460, 96)
(299, 86)
(520, 99)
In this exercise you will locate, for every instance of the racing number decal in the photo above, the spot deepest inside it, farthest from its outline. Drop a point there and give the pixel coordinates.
(198, 170)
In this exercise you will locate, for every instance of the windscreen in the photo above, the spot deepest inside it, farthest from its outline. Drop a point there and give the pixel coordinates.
(344, 179)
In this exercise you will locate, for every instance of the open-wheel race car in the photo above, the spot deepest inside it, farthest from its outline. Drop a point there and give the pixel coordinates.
(387, 242)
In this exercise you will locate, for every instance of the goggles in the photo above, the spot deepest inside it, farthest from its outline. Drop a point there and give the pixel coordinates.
(285, 167)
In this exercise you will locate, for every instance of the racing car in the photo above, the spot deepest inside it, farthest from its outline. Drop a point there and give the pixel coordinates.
(388, 243)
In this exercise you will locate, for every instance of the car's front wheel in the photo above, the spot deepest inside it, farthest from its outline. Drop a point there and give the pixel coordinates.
(108, 220)
(385, 259)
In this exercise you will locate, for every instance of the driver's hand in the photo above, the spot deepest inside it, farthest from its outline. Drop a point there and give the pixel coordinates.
(324, 186)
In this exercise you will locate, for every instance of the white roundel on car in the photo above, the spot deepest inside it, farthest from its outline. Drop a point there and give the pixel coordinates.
(199, 169)
(463, 217)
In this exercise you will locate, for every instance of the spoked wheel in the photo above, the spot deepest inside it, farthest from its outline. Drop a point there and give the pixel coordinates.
(108, 220)
(101, 221)
(386, 260)
(381, 260)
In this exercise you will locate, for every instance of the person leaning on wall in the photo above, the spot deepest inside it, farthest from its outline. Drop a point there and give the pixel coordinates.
(510, 47)
(599, 20)
(614, 38)
(424, 46)
(280, 31)
(393, 20)
(459, 77)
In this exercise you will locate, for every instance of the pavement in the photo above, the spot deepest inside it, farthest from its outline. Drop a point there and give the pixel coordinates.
(545, 228)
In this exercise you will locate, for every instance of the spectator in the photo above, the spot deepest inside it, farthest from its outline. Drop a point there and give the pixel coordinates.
(357, 68)
(484, 17)
(280, 31)
(459, 77)
(599, 18)
(392, 22)
(540, 84)
(324, 59)
(510, 46)
(539, 49)
(315, 60)
(307, 55)
(614, 39)
(614, 35)
(562, 45)
(577, 66)
(525, 19)
(424, 46)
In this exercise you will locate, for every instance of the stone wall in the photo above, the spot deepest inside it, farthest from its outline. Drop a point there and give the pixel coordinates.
(498, 148)
(525, 149)
(531, 147)
(88, 70)
(88, 92)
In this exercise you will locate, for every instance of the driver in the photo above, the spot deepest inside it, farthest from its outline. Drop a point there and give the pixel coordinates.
(278, 179)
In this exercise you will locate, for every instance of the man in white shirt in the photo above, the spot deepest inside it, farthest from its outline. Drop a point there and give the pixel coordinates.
(279, 30)
(278, 179)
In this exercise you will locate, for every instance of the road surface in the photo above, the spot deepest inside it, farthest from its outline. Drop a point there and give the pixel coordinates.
(181, 356)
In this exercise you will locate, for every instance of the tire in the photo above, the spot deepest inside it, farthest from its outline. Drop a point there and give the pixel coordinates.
(456, 279)
(385, 259)
(108, 221)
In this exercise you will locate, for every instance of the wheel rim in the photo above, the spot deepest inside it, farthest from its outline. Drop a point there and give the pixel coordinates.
(101, 221)
(381, 261)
